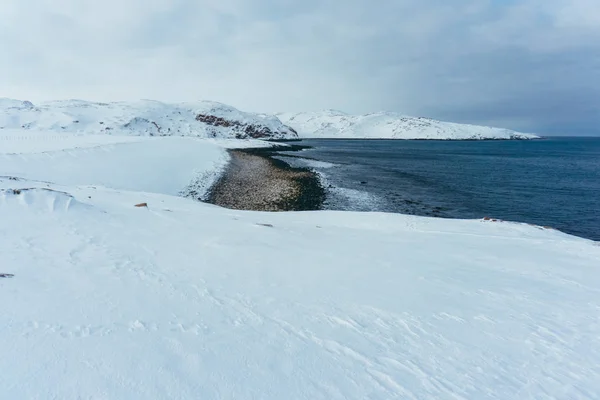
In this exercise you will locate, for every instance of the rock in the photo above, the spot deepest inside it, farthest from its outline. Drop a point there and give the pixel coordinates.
(260, 183)
(490, 219)
(242, 131)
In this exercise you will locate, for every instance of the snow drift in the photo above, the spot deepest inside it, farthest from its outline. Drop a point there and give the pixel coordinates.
(41, 200)
(336, 124)
(152, 118)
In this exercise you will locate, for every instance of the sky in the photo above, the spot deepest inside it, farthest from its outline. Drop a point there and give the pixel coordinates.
(528, 65)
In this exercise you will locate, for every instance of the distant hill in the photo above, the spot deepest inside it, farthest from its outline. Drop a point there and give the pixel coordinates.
(215, 120)
(152, 118)
(336, 124)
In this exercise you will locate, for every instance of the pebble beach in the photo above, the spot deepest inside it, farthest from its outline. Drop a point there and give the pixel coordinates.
(255, 181)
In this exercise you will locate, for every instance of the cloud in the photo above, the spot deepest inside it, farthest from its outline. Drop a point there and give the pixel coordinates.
(525, 64)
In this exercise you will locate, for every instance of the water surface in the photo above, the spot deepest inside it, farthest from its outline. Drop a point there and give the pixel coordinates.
(551, 182)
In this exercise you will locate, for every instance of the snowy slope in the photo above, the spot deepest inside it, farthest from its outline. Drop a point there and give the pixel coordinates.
(19, 141)
(336, 124)
(167, 165)
(186, 300)
(201, 119)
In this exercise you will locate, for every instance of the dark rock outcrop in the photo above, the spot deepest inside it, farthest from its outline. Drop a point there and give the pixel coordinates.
(242, 130)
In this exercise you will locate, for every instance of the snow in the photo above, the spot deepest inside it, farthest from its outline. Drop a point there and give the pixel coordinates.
(183, 299)
(207, 119)
(382, 125)
(14, 141)
(162, 166)
(145, 117)
(165, 165)
(316, 163)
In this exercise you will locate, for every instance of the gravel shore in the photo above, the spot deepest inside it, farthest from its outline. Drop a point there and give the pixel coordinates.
(255, 181)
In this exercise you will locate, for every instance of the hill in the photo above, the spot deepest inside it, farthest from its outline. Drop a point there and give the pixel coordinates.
(383, 125)
(148, 118)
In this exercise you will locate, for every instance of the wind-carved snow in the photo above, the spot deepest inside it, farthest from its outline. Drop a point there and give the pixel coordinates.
(152, 118)
(41, 200)
(336, 124)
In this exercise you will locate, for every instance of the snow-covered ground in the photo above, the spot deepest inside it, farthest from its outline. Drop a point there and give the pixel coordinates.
(201, 119)
(16, 141)
(336, 124)
(185, 300)
(165, 165)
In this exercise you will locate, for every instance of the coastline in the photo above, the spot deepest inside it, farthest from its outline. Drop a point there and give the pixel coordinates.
(254, 180)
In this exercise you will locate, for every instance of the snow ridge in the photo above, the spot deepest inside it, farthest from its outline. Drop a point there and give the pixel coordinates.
(385, 125)
(146, 118)
(42, 200)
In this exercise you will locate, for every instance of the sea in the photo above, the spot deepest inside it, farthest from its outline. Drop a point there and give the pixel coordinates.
(549, 182)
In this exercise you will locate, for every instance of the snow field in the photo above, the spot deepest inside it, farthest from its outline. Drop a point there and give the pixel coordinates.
(188, 300)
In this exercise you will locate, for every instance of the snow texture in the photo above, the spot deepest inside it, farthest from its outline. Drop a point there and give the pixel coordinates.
(152, 118)
(336, 124)
(186, 300)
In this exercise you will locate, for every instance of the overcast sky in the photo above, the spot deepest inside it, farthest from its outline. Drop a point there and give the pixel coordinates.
(530, 65)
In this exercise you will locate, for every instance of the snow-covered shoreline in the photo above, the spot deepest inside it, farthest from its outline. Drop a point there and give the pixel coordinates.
(182, 299)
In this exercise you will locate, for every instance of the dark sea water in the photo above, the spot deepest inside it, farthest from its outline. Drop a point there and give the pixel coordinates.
(551, 182)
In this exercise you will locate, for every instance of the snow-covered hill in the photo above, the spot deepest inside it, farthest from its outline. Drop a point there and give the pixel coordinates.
(215, 120)
(336, 124)
(201, 119)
